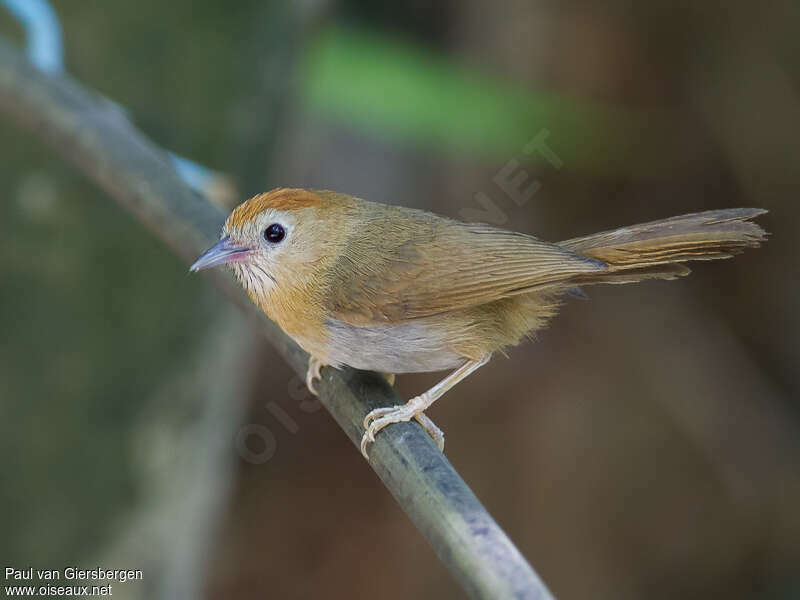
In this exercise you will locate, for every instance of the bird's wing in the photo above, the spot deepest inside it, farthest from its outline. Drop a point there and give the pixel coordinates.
(396, 270)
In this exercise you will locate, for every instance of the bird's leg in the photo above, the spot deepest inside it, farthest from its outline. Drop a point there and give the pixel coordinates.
(314, 367)
(415, 408)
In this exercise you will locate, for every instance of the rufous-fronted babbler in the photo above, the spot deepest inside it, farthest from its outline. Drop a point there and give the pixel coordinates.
(397, 290)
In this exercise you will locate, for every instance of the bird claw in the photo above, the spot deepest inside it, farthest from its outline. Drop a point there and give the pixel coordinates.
(367, 438)
(314, 372)
(433, 431)
(382, 417)
(379, 412)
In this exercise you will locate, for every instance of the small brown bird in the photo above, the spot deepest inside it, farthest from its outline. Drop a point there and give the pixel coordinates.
(397, 290)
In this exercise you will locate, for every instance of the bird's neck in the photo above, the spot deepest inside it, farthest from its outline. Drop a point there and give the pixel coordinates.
(297, 308)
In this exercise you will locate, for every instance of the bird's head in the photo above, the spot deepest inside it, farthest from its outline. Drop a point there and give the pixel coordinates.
(274, 240)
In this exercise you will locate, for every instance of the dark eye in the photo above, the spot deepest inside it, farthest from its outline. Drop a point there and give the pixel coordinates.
(274, 233)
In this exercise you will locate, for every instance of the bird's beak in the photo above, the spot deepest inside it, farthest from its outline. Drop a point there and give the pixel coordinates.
(223, 252)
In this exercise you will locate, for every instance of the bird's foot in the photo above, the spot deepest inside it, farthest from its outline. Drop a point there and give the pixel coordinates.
(413, 409)
(314, 368)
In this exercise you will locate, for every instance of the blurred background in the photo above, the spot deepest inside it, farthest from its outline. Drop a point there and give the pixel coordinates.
(647, 445)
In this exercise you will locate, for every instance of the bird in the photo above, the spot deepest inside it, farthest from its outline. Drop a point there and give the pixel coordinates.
(398, 290)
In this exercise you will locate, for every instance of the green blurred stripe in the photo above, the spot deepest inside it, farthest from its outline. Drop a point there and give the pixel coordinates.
(399, 91)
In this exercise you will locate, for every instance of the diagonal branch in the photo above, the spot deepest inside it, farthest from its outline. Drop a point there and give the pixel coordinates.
(95, 136)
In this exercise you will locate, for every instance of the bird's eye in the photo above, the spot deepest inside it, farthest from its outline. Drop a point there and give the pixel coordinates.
(274, 233)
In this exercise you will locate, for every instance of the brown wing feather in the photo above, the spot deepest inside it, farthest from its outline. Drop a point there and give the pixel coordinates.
(408, 264)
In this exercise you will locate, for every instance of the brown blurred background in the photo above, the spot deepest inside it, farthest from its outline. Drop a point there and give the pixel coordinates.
(648, 443)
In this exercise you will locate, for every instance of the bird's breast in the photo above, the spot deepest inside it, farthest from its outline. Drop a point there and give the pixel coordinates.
(408, 347)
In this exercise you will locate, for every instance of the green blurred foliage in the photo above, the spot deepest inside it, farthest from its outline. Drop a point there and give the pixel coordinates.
(392, 88)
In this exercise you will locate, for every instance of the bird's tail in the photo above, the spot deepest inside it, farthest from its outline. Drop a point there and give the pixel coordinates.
(660, 249)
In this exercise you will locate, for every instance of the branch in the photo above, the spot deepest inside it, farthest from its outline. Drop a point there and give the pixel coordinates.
(95, 136)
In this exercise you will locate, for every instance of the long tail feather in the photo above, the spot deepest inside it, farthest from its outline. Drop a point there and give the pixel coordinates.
(657, 250)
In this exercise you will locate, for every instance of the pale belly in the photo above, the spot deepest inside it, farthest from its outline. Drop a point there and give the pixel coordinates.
(411, 347)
